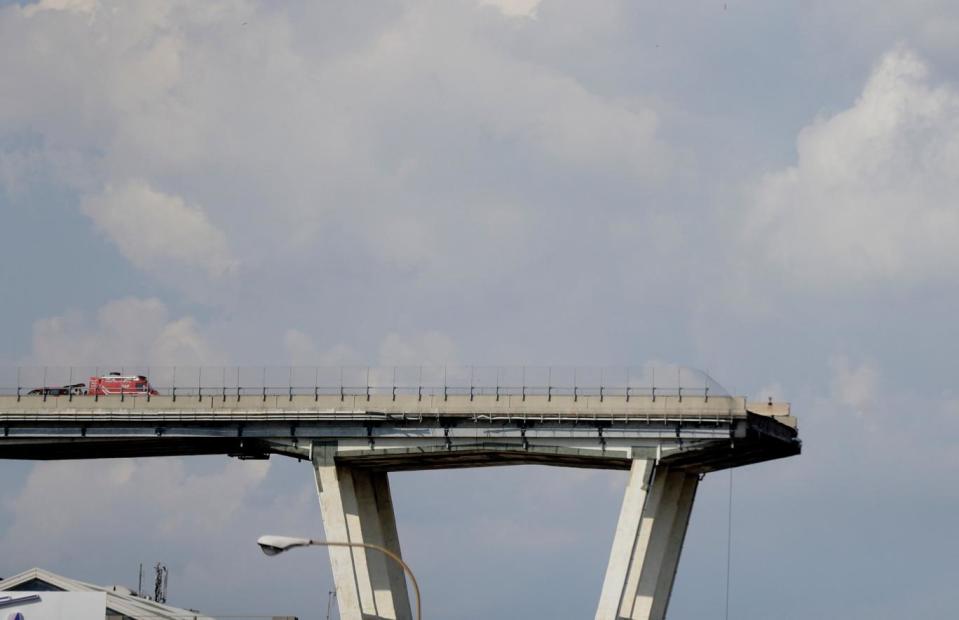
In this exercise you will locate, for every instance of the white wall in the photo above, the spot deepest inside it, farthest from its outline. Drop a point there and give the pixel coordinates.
(57, 606)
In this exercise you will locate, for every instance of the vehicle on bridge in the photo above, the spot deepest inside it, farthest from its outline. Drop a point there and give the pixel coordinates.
(115, 383)
(76, 389)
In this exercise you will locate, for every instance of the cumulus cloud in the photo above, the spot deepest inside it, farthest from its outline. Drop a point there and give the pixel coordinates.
(131, 331)
(75, 6)
(160, 233)
(62, 501)
(429, 347)
(301, 350)
(515, 8)
(872, 198)
(199, 132)
(854, 386)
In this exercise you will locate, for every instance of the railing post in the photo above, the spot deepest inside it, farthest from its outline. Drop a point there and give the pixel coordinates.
(627, 384)
(652, 382)
(602, 380)
(524, 384)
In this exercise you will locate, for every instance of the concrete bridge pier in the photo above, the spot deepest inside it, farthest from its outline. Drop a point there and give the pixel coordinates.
(356, 506)
(648, 542)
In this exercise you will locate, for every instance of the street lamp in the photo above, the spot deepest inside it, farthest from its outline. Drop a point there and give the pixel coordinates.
(274, 545)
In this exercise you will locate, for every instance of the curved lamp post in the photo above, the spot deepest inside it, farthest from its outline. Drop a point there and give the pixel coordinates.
(273, 545)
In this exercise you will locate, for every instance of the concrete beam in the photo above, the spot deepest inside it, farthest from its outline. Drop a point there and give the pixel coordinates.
(647, 544)
(356, 507)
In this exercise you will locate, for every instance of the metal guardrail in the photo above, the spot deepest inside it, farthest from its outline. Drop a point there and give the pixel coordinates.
(353, 381)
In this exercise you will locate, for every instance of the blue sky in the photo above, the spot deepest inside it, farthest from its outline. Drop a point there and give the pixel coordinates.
(765, 192)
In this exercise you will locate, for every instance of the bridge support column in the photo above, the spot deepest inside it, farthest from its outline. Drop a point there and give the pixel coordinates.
(647, 544)
(357, 507)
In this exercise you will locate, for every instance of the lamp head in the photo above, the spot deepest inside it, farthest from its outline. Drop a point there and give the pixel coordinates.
(273, 545)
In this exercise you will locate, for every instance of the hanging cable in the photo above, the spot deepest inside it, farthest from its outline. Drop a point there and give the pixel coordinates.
(729, 538)
(329, 603)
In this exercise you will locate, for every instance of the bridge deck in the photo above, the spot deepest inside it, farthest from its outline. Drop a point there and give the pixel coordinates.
(405, 431)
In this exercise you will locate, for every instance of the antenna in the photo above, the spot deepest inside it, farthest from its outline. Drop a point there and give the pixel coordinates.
(160, 585)
(140, 582)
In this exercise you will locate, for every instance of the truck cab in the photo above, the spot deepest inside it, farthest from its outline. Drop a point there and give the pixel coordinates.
(116, 383)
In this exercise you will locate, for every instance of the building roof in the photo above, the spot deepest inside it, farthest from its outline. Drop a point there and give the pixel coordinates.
(119, 600)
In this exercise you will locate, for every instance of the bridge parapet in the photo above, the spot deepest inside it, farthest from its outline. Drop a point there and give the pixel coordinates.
(649, 380)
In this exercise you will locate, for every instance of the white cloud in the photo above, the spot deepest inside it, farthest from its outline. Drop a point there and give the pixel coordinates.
(204, 130)
(125, 331)
(426, 348)
(74, 6)
(514, 8)
(301, 350)
(854, 386)
(872, 198)
(160, 233)
(65, 500)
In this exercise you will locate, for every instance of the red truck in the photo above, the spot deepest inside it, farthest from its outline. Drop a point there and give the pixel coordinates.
(115, 383)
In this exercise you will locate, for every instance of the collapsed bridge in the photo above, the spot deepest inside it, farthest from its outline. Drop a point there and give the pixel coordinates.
(355, 425)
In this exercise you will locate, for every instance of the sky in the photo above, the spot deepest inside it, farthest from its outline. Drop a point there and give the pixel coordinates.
(765, 191)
